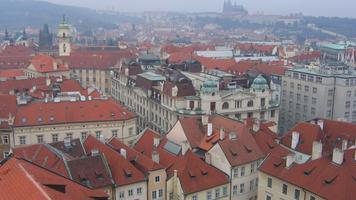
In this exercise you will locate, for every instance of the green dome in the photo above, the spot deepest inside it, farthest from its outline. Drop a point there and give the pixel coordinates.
(260, 83)
(210, 86)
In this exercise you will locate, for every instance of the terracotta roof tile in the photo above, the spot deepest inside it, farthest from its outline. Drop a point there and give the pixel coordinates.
(8, 106)
(41, 113)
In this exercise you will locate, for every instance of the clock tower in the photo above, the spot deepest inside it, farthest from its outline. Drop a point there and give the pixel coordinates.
(64, 38)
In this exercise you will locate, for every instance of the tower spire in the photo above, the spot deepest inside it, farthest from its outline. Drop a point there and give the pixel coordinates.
(64, 18)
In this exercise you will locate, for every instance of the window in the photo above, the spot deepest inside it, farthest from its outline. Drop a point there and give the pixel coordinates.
(22, 139)
(157, 178)
(171, 196)
(273, 113)
(347, 104)
(269, 182)
(84, 135)
(55, 138)
(39, 139)
(299, 86)
(114, 133)
(312, 198)
(242, 188)
(252, 184)
(208, 195)
(330, 92)
(236, 172)
(70, 135)
(5, 139)
(284, 189)
(303, 77)
(306, 88)
(122, 195)
(234, 190)
(217, 193)
(315, 90)
(348, 93)
(319, 79)
(314, 101)
(6, 154)
(250, 114)
(252, 167)
(97, 134)
(250, 103)
(242, 172)
(224, 191)
(160, 193)
(139, 190)
(292, 85)
(225, 106)
(310, 78)
(131, 131)
(154, 194)
(194, 197)
(238, 104)
(268, 197)
(130, 192)
(296, 194)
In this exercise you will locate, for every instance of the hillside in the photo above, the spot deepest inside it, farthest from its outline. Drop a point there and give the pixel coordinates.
(16, 14)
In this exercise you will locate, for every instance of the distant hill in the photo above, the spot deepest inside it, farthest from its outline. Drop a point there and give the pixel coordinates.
(16, 14)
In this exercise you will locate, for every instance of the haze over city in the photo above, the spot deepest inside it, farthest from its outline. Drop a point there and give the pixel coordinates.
(340, 8)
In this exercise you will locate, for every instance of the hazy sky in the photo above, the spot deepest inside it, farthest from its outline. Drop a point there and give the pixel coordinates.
(342, 8)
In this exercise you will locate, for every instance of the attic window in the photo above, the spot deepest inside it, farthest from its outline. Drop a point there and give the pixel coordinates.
(330, 180)
(204, 172)
(278, 163)
(39, 119)
(57, 187)
(248, 149)
(307, 172)
(99, 175)
(24, 120)
(270, 146)
(112, 114)
(191, 174)
(51, 118)
(233, 151)
(128, 173)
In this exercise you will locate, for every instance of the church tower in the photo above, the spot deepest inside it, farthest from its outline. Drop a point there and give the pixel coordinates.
(64, 38)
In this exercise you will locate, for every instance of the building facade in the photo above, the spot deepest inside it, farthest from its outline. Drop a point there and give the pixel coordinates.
(327, 91)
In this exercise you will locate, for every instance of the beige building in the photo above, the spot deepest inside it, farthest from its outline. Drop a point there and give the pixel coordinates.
(43, 122)
(46, 66)
(327, 91)
(161, 96)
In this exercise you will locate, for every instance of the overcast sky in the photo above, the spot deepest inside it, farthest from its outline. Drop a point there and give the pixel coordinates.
(342, 8)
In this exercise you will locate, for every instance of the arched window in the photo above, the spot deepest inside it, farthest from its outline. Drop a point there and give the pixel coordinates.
(225, 105)
(250, 103)
(64, 35)
(64, 48)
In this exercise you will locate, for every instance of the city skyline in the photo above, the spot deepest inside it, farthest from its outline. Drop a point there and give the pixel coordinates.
(330, 7)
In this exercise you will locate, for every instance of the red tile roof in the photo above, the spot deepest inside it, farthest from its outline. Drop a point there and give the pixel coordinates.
(44, 64)
(11, 73)
(91, 171)
(40, 113)
(142, 162)
(70, 85)
(266, 68)
(320, 176)
(266, 139)
(194, 174)
(23, 180)
(14, 62)
(332, 134)
(306, 57)
(21, 85)
(212, 63)
(44, 156)
(123, 172)
(17, 50)
(8, 105)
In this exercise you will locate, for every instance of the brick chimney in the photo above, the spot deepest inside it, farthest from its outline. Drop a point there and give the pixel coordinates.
(338, 156)
(317, 150)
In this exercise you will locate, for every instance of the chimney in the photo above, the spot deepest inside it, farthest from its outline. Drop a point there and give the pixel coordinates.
(289, 160)
(204, 120)
(344, 145)
(232, 135)
(102, 139)
(210, 129)
(208, 158)
(222, 133)
(185, 147)
(256, 125)
(295, 139)
(123, 153)
(156, 141)
(155, 156)
(67, 142)
(94, 152)
(48, 81)
(320, 122)
(338, 156)
(317, 150)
